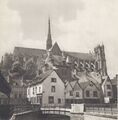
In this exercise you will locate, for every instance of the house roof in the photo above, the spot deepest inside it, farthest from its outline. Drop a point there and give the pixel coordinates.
(41, 77)
(72, 83)
(106, 79)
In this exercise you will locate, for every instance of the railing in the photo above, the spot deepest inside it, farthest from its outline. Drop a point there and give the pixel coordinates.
(55, 110)
(110, 109)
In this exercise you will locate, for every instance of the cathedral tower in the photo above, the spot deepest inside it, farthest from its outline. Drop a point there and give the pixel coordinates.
(101, 60)
(49, 38)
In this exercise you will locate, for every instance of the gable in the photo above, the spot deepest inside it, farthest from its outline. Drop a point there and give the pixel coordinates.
(56, 50)
(91, 86)
(68, 87)
(77, 87)
(54, 75)
(106, 81)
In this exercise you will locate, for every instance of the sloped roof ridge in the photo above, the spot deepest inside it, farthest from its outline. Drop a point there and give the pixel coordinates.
(42, 77)
(28, 48)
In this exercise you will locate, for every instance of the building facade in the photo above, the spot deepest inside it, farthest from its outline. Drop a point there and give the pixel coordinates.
(47, 89)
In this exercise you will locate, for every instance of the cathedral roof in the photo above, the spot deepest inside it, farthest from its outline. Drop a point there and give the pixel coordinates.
(22, 51)
(83, 56)
(18, 51)
(56, 50)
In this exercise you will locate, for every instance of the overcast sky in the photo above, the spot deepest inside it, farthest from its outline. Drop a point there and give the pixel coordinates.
(77, 25)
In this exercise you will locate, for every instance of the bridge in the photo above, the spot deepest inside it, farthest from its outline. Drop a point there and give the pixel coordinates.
(93, 110)
(62, 111)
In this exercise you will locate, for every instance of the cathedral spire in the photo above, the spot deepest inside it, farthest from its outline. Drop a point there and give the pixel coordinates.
(49, 38)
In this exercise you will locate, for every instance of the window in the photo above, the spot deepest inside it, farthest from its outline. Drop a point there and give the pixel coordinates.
(95, 94)
(33, 91)
(53, 89)
(28, 91)
(108, 93)
(51, 99)
(71, 93)
(59, 100)
(53, 79)
(39, 89)
(77, 94)
(108, 87)
(87, 93)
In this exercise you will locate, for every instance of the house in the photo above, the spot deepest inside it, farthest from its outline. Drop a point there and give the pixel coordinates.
(83, 90)
(107, 89)
(91, 93)
(74, 93)
(47, 89)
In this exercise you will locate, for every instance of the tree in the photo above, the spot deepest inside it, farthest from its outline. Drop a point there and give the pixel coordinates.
(17, 69)
(7, 63)
(31, 70)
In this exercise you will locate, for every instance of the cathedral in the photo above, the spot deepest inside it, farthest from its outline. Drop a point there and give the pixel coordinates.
(69, 65)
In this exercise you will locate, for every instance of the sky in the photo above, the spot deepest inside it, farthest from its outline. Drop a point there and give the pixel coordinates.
(77, 25)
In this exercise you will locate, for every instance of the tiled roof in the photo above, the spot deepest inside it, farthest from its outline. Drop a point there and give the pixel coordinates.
(28, 51)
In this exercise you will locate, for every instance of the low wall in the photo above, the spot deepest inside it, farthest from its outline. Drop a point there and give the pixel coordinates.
(38, 116)
(99, 117)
